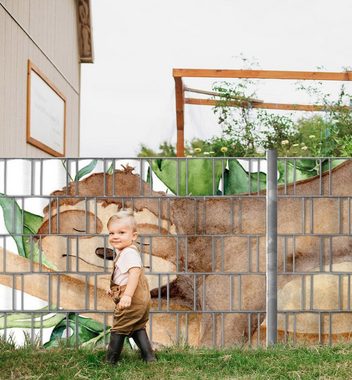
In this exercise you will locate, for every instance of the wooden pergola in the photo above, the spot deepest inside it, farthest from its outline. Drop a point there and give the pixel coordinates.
(181, 100)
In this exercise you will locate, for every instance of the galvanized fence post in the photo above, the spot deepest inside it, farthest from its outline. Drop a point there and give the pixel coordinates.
(271, 248)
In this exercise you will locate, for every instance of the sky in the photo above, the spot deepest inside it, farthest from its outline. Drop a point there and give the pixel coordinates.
(127, 95)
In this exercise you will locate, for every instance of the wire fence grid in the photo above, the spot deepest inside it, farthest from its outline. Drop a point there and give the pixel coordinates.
(204, 255)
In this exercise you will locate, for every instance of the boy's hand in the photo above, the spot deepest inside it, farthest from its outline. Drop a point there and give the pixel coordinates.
(125, 302)
(108, 292)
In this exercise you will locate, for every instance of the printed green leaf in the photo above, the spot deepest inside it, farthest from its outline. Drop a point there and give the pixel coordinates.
(149, 176)
(295, 170)
(56, 335)
(32, 221)
(237, 180)
(13, 221)
(97, 341)
(82, 331)
(110, 169)
(303, 169)
(194, 176)
(86, 170)
(27, 320)
(91, 324)
(333, 163)
(33, 252)
(18, 222)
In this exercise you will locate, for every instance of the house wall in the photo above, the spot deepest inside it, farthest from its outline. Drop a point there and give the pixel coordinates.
(44, 32)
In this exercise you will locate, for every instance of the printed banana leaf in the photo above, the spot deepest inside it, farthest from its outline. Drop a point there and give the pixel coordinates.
(18, 222)
(195, 176)
(85, 331)
(30, 320)
(237, 180)
(110, 169)
(333, 163)
(86, 170)
(97, 341)
(295, 170)
(82, 331)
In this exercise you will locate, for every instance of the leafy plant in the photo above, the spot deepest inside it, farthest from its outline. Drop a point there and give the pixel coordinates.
(237, 123)
(165, 150)
(275, 131)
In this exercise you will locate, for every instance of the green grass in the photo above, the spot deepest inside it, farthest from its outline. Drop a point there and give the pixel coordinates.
(281, 362)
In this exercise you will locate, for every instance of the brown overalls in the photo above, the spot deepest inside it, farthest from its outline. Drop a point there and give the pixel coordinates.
(135, 317)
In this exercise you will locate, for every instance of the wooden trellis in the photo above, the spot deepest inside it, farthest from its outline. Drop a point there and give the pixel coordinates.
(181, 100)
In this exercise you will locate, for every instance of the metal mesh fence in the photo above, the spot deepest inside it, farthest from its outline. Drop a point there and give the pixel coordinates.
(201, 224)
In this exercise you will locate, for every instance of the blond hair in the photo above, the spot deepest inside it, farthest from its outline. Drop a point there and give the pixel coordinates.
(125, 215)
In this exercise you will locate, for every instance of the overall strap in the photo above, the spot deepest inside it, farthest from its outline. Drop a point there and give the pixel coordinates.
(136, 248)
(114, 262)
(117, 257)
(119, 254)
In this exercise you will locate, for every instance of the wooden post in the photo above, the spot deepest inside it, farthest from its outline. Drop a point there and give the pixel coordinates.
(180, 118)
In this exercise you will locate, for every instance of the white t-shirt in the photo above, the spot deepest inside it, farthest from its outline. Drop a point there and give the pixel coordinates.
(129, 258)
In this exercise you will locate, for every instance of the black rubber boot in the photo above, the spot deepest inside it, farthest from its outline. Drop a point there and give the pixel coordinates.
(115, 347)
(143, 343)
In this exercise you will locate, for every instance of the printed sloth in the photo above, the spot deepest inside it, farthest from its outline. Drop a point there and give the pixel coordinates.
(219, 243)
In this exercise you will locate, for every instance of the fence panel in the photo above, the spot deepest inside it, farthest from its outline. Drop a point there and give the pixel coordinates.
(201, 226)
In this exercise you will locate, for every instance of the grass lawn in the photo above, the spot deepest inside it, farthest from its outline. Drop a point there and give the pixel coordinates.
(281, 362)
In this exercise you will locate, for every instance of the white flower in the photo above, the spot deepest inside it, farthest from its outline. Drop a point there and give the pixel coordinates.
(197, 150)
(312, 136)
(304, 147)
(295, 145)
(206, 153)
(223, 149)
(284, 142)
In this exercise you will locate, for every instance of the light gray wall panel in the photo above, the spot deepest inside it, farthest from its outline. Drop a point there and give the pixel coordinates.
(16, 47)
(19, 9)
(13, 86)
(53, 25)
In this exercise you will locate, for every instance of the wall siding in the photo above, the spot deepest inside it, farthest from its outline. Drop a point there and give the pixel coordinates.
(52, 45)
(20, 11)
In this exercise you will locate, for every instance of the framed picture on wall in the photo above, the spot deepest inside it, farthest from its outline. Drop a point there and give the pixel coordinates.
(46, 113)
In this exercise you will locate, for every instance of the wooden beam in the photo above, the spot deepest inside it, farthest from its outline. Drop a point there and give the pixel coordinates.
(214, 93)
(269, 106)
(180, 118)
(263, 74)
